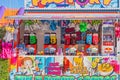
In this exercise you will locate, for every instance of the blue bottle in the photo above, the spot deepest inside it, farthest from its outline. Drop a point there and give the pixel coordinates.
(47, 39)
(89, 39)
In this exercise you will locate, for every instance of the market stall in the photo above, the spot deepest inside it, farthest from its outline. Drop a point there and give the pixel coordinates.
(70, 38)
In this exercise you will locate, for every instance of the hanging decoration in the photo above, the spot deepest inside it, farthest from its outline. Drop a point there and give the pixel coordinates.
(76, 21)
(83, 26)
(37, 22)
(45, 25)
(53, 25)
(32, 25)
(96, 22)
(37, 25)
(9, 33)
(10, 29)
(63, 23)
(28, 22)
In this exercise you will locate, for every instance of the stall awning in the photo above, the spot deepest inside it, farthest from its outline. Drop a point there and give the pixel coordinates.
(82, 16)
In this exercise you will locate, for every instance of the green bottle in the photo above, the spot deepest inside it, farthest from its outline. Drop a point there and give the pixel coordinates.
(33, 39)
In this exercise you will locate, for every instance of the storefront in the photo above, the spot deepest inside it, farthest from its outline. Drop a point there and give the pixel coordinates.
(64, 40)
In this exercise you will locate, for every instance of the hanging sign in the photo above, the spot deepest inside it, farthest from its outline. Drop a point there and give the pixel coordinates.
(70, 4)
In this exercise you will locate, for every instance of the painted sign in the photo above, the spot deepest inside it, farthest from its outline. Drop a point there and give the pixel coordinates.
(70, 4)
(57, 68)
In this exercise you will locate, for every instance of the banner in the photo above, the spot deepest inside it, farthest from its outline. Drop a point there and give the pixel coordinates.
(71, 4)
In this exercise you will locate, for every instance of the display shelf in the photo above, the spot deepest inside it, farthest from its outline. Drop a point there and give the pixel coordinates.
(69, 16)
